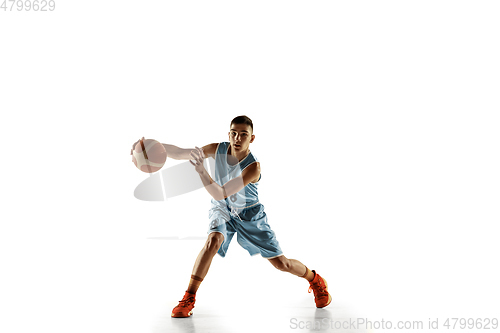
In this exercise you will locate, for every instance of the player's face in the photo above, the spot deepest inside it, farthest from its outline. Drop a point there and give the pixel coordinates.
(240, 137)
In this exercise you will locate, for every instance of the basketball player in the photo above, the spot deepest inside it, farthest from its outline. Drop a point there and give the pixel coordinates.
(236, 209)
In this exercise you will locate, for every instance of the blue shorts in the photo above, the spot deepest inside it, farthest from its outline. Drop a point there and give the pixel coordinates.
(250, 224)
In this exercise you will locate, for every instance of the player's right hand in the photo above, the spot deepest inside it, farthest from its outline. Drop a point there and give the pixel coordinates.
(133, 146)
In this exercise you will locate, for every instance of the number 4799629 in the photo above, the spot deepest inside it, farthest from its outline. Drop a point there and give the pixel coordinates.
(28, 5)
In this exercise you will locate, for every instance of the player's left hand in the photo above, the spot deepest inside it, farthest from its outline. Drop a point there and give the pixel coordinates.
(133, 146)
(198, 158)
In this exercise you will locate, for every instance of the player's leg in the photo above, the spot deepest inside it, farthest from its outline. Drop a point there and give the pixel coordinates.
(316, 282)
(255, 235)
(292, 266)
(200, 269)
(204, 260)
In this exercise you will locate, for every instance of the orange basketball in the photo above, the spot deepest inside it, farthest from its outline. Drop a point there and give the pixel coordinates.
(149, 155)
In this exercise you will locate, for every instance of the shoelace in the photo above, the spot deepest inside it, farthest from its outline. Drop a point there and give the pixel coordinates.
(318, 288)
(186, 301)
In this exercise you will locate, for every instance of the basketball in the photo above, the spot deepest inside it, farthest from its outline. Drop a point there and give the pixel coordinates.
(149, 155)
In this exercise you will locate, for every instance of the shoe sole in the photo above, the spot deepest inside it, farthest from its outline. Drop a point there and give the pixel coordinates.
(179, 315)
(329, 296)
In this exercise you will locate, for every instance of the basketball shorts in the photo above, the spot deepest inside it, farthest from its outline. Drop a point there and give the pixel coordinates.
(251, 228)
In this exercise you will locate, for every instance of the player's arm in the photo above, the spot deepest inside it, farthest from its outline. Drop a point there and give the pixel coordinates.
(184, 153)
(249, 174)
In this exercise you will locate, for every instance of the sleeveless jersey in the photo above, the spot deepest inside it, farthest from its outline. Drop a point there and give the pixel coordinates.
(224, 172)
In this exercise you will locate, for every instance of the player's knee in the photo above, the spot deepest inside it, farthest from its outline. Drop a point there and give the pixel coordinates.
(281, 263)
(214, 241)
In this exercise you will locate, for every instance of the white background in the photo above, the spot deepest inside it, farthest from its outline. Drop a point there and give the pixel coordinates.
(376, 125)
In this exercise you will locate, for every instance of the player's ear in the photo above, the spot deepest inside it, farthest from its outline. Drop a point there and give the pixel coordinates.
(253, 137)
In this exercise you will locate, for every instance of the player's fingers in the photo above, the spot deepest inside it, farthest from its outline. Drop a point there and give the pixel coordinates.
(197, 153)
(195, 156)
(200, 150)
(202, 153)
(133, 146)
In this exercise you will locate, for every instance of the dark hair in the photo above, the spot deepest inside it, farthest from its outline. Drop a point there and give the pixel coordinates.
(242, 120)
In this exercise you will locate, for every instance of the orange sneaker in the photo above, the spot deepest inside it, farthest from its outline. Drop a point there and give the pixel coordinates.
(185, 307)
(320, 288)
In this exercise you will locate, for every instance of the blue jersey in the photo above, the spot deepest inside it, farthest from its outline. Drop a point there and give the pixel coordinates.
(224, 172)
(241, 213)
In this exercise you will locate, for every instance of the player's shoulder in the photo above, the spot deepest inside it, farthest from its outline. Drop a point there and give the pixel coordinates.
(255, 166)
(210, 150)
(252, 171)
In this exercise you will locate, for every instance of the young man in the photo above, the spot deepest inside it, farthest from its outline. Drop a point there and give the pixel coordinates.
(236, 209)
